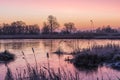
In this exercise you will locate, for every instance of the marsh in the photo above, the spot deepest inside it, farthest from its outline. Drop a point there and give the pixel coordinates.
(43, 46)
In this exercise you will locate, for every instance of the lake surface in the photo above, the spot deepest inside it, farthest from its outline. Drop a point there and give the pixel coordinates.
(43, 46)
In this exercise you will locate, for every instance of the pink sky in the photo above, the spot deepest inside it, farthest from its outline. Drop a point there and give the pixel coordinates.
(102, 12)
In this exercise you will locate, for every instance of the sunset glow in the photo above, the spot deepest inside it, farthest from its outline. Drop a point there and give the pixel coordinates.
(102, 12)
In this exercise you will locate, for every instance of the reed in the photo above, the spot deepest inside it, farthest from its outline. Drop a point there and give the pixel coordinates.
(48, 73)
(97, 55)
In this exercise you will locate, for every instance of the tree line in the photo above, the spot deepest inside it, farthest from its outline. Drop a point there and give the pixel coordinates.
(18, 27)
(49, 27)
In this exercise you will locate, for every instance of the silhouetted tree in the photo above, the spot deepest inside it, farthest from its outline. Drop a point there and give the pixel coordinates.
(69, 28)
(19, 27)
(34, 29)
(6, 29)
(52, 23)
(107, 29)
(45, 29)
(0, 29)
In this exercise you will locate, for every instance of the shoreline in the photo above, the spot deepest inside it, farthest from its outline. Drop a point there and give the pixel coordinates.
(56, 37)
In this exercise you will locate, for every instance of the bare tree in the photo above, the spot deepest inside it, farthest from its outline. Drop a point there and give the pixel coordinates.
(45, 29)
(52, 23)
(18, 28)
(5, 29)
(33, 29)
(107, 29)
(69, 28)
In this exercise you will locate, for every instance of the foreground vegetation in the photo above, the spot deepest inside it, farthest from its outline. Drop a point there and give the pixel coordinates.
(98, 55)
(42, 73)
(46, 73)
(87, 58)
(6, 56)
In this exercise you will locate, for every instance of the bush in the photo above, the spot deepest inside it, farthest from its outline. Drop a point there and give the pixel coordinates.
(6, 56)
(97, 55)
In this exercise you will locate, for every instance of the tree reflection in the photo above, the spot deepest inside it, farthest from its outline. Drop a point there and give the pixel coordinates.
(19, 45)
(87, 69)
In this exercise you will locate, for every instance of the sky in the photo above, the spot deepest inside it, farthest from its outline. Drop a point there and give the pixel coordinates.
(80, 12)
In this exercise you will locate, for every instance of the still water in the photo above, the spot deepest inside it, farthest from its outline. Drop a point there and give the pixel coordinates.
(43, 46)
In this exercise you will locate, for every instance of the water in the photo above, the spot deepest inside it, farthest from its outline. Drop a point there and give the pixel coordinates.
(41, 47)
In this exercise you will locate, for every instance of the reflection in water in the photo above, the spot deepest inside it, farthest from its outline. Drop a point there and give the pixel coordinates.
(87, 69)
(41, 47)
(117, 68)
(19, 45)
(48, 44)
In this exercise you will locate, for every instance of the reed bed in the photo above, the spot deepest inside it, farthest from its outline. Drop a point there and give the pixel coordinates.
(47, 73)
(97, 55)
